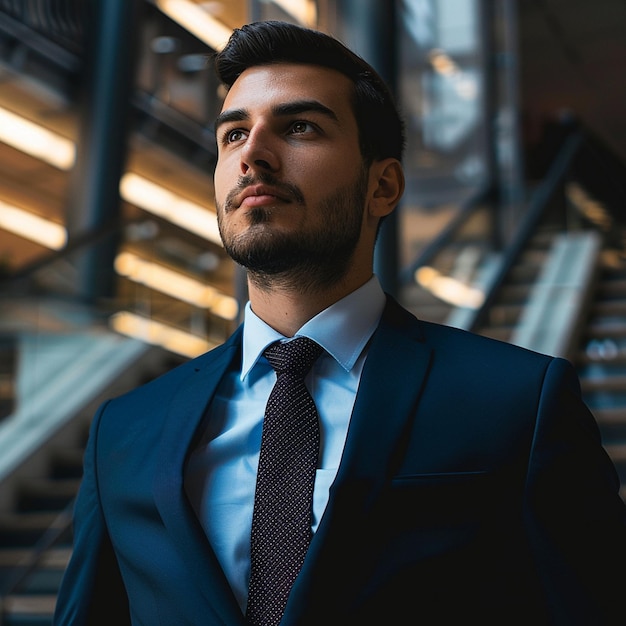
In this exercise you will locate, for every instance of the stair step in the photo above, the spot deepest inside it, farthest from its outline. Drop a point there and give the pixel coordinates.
(25, 529)
(515, 294)
(31, 609)
(543, 237)
(597, 355)
(604, 308)
(28, 572)
(504, 314)
(617, 452)
(523, 274)
(608, 382)
(46, 495)
(52, 558)
(611, 292)
(533, 257)
(615, 415)
(42, 580)
(67, 463)
(606, 329)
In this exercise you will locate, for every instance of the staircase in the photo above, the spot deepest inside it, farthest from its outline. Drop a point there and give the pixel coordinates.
(505, 313)
(601, 359)
(35, 541)
(35, 530)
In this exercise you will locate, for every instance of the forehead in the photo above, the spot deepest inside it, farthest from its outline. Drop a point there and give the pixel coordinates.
(270, 85)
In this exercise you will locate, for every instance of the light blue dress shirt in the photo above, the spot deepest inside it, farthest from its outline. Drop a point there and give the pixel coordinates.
(221, 473)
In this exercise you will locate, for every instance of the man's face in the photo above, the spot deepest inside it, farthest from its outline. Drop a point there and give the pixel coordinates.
(290, 182)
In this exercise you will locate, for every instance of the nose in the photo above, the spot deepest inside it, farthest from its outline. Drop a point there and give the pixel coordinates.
(259, 152)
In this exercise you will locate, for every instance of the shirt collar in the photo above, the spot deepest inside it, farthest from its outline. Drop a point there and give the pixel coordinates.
(343, 329)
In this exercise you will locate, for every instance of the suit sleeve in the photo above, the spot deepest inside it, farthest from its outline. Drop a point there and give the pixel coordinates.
(576, 517)
(92, 591)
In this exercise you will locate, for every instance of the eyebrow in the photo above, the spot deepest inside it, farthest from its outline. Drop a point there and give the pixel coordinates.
(285, 109)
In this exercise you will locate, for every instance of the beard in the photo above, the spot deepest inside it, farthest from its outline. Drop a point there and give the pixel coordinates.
(305, 260)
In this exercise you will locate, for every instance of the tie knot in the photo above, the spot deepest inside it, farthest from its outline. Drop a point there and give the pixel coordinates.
(295, 356)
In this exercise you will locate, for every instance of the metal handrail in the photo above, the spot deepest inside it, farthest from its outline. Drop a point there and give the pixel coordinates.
(538, 205)
(540, 202)
(447, 234)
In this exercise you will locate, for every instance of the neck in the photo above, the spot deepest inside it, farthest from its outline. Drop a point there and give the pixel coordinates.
(286, 308)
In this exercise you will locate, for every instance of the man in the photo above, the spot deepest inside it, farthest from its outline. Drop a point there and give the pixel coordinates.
(459, 479)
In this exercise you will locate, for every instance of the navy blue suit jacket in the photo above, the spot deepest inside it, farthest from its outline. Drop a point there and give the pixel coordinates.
(473, 489)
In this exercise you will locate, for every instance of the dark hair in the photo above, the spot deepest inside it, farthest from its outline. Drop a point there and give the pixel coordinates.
(381, 130)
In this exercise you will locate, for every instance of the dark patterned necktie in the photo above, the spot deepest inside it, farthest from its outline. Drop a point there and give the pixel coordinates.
(281, 521)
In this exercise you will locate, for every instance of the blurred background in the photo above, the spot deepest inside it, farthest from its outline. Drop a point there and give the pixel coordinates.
(111, 266)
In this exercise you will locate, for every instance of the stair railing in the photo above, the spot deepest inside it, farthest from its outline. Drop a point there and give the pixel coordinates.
(539, 203)
(447, 234)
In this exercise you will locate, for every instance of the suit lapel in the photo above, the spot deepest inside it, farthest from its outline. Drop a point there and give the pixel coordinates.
(393, 376)
(392, 379)
(185, 415)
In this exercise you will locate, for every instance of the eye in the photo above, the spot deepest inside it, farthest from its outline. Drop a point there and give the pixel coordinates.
(301, 127)
(234, 135)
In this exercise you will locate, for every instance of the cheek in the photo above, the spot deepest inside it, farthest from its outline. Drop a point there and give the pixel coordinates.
(323, 174)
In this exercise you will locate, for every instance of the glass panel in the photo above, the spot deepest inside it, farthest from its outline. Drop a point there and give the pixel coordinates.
(442, 95)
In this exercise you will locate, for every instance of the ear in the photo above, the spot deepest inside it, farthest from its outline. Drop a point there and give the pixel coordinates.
(386, 180)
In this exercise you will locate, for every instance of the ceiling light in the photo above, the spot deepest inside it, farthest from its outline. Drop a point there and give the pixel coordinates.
(448, 289)
(464, 84)
(36, 140)
(197, 21)
(176, 285)
(157, 333)
(442, 63)
(31, 226)
(305, 11)
(160, 201)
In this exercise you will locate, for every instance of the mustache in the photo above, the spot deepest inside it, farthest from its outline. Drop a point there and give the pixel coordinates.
(291, 191)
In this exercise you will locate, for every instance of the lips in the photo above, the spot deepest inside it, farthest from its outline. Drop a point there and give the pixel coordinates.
(258, 195)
